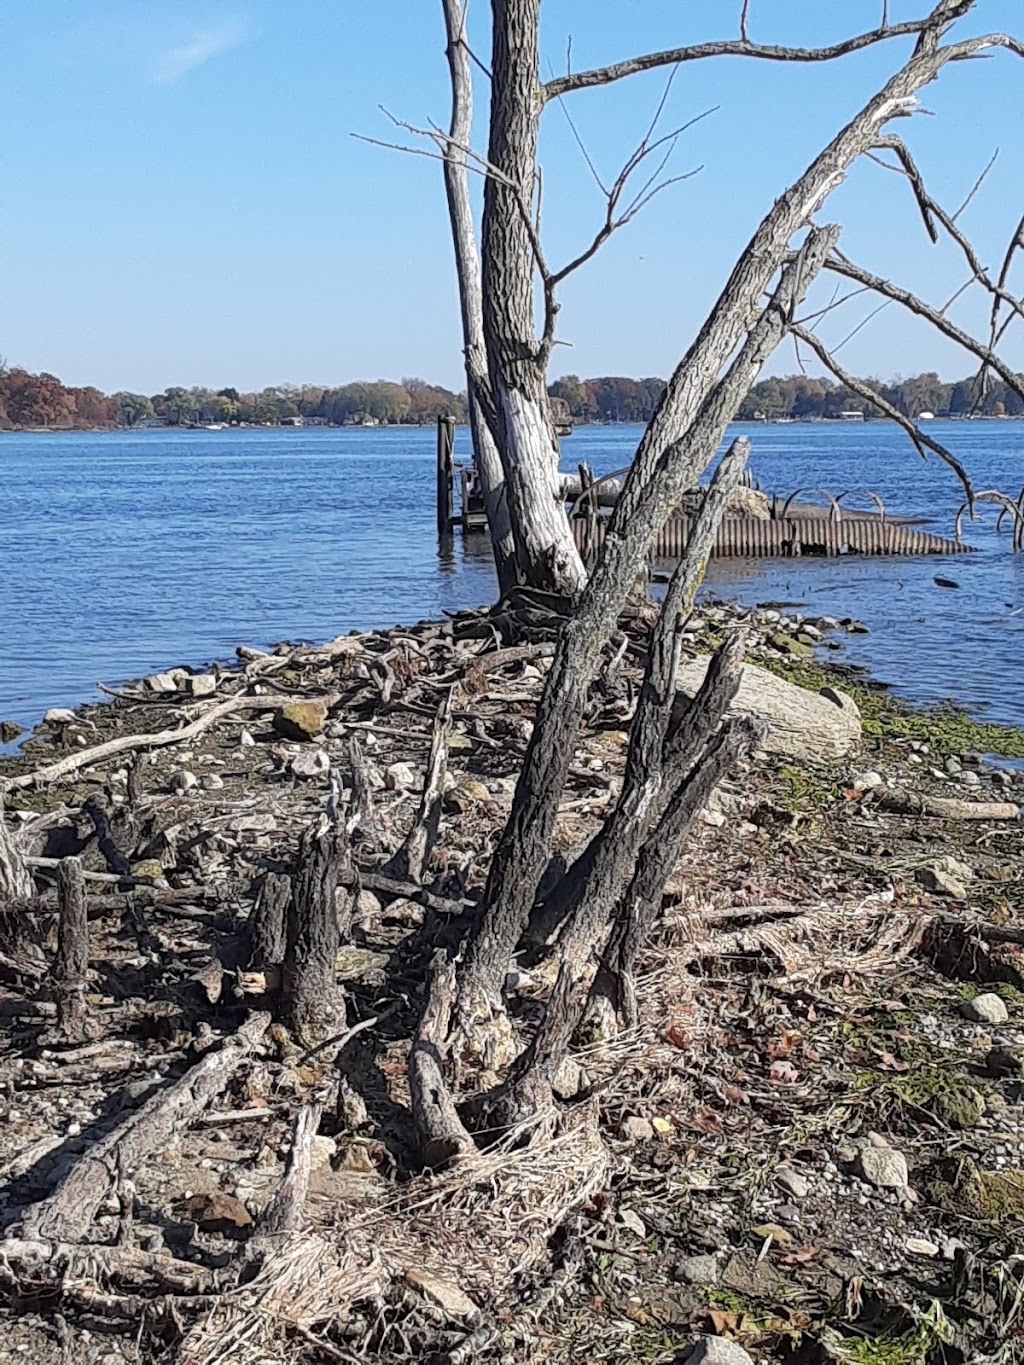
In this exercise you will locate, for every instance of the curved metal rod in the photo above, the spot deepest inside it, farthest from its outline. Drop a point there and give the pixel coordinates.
(866, 493)
(592, 490)
(1005, 504)
(835, 512)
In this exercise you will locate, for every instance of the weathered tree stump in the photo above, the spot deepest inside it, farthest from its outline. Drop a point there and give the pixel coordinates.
(314, 1004)
(15, 878)
(268, 923)
(71, 967)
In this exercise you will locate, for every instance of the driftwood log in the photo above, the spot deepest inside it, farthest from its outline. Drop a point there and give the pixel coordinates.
(71, 968)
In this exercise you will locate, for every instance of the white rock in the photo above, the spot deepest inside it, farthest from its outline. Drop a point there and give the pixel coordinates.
(59, 715)
(698, 1269)
(182, 780)
(311, 763)
(714, 818)
(401, 777)
(799, 723)
(637, 1129)
(793, 1182)
(202, 684)
(920, 1246)
(884, 1167)
(324, 1150)
(246, 741)
(213, 782)
(987, 1008)
(632, 1220)
(161, 682)
(969, 779)
(866, 782)
(718, 1351)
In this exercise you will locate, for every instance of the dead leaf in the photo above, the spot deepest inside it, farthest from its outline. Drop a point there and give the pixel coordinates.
(783, 1073)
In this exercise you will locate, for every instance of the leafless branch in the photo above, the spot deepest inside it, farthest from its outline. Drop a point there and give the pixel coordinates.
(841, 265)
(744, 16)
(922, 442)
(977, 185)
(742, 47)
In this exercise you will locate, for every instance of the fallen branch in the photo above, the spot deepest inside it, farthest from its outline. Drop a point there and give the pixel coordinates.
(72, 965)
(410, 861)
(71, 763)
(900, 802)
(68, 1213)
(283, 1213)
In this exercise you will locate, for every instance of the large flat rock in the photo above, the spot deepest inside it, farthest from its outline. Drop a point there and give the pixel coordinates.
(800, 724)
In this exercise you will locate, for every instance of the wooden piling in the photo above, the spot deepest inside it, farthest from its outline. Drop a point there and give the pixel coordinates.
(445, 475)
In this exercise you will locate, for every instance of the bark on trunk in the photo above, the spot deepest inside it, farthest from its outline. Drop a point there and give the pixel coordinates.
(268, 923)
(652, 490)
(71, 967)
(546, 551)
(15, 878)
(467, 268)
(314, 1004)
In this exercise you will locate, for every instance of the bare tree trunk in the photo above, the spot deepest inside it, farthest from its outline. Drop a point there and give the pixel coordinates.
(467, 266)
(71, 967)
(314, 1003)
(15, 878)
(652, 490)
(516, 362)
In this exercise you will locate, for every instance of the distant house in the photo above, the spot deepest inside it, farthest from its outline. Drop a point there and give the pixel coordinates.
(851, 416)
(926, 417)
(291, 421)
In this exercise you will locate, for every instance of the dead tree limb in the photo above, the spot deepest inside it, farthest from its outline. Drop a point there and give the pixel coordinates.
(443, 1136)
(72, 763)
(284, 1210)
(71, 967)
(901, 802)
(68, 1213)
(15, 878)
(410, 861)
(98, 811)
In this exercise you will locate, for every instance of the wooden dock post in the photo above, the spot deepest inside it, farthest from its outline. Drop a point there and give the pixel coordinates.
(445, 475)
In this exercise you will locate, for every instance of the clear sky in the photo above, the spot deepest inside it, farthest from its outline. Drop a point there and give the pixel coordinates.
(183, 201)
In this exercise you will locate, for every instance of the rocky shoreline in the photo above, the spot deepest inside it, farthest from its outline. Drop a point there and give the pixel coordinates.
(814, 1142)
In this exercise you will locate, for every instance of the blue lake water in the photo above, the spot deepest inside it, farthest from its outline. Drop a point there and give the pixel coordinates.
(124, 553)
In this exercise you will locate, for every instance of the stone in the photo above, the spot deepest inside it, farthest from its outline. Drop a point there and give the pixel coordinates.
(182, 780)
(59, 715)
(401, 777)
(987, 1008)
(714, 818)
(786, 644)
(799, 723)
(637, 1129)
(792, 1182)
(161, 682)
(212, 782)
(9, 731)
(567, 1081)
(920, 1246)
(718, 1351)
(866, 782)
(311, 763)
(368, 906)
(698, 1270)
(969, 779)
(300, 720)
(629, 1218)
(202, 684)
(445, 1293)
(884, 1168)
(1004, 1061)
(941, 882)
(778, 1234)
(246, 741)
(217, 1212)
(961, 1106)
(323, 1152)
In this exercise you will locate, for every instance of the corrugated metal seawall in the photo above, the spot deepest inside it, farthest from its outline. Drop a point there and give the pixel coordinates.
(752, 538)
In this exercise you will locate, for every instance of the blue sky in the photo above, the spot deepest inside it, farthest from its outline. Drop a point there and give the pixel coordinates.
(183, 201)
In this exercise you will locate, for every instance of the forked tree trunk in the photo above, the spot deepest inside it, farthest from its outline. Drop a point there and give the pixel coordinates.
(546, 552)
(467, 265)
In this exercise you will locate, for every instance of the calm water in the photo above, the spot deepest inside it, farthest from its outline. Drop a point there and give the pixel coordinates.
(121, 554)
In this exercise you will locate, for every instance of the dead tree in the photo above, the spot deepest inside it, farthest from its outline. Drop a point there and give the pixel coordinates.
(314, 1005)
(675, 756)
(15, 878)
(71, 967)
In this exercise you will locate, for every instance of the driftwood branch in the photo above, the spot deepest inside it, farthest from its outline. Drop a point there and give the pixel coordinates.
(67, 1214)
(284, 1210)
(901, 802)
(15, 878)
(410, 861)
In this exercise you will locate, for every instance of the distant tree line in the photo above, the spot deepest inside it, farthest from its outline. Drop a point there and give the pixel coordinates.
(796, 396)
(41, 400)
